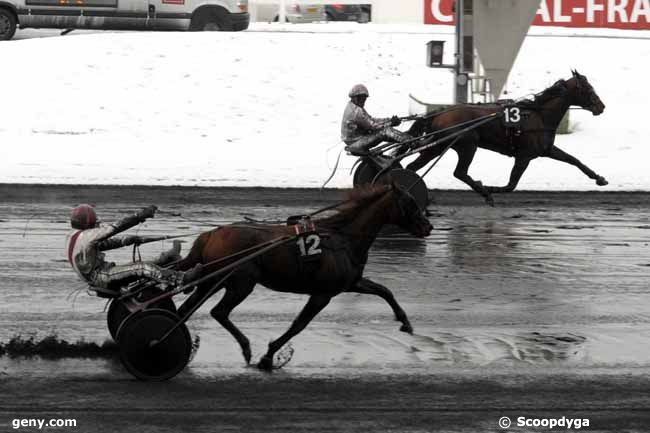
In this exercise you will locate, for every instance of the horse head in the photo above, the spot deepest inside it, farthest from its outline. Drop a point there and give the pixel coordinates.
(584, 94)
(406, 213)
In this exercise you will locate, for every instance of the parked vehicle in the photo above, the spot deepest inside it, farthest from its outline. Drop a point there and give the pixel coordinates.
(193, 15)
(367, 10)
(341, 12)
(295, 12)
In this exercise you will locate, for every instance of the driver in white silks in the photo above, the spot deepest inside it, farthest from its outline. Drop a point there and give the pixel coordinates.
(360, 131)
(86, 243)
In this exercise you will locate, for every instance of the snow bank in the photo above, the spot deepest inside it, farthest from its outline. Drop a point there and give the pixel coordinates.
(262, 107)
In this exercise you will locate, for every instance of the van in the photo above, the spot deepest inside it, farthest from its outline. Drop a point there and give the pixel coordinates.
(193, 15)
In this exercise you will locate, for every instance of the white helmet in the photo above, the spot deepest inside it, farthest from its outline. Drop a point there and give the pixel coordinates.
(359, 90)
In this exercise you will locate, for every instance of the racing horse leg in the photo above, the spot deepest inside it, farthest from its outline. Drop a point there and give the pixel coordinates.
(466, 152)
(314, 305)
(560, 155)
(369, 287)
(425, 157)
(237, 289)
(518, 169)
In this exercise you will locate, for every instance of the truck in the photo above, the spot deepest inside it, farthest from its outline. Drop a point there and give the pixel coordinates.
(192, 15)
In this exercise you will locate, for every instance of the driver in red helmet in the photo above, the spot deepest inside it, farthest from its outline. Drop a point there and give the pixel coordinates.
(87, 243)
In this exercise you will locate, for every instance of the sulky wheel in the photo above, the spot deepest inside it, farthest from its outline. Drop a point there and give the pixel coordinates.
(366, 172)
(144, 355)
(117, 311)
(410, 181)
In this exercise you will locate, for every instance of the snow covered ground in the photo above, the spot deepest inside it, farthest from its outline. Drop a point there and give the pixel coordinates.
(262, 107)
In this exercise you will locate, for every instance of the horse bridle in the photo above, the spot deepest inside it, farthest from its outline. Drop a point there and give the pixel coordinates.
(586, 93)
(402, 201)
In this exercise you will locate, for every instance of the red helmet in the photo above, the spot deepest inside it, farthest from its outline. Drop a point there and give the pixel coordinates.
(83, 217)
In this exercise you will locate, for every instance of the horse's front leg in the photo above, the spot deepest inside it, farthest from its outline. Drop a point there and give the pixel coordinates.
(560, 155)
(314, 305)
(369, 287)
(465, 157)
(518, 169)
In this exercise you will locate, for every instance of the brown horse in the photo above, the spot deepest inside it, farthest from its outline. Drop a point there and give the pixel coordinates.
(342, 241)
(533, 136)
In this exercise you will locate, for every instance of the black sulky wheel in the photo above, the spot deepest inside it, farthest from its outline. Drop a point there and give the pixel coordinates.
(366, 172)
(409, 180)
(117, 311)
(141, 352)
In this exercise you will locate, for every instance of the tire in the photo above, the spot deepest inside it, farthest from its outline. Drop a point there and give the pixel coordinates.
(212, 27)
(410, 181)
(117, 311)
(366, 172)
(141, 353)
(7, 24)
(210, 20)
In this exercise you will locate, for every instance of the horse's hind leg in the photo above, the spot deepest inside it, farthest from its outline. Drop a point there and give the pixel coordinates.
(560, 155)
(236, 291)
(369, 287)
(424, 158)
(314, 306)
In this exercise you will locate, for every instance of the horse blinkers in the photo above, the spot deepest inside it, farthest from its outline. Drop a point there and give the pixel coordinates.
(409, 209)
(587, 97)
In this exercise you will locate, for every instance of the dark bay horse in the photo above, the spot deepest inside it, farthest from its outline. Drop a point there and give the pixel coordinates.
(343, 243)
(534, 138)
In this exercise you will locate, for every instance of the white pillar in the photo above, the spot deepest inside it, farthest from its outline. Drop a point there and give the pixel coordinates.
(282, 13)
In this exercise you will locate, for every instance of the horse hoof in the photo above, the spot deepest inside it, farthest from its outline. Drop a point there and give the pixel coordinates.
(247, 355)
(407, 328)
(265, 364)
(601, 181)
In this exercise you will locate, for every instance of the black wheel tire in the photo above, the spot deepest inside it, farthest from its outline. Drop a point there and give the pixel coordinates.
(117, 311)
(210, 21)
(212, 26)
(140, 353)
(366, 172)
(410, 181)
(7, 24)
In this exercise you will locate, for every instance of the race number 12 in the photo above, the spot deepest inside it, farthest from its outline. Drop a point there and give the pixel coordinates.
(309, 246)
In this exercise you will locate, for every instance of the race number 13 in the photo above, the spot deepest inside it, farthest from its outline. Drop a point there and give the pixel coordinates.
(310, 245)
(512, 114)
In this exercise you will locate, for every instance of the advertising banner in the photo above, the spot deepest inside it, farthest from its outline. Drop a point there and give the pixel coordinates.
(616, 14)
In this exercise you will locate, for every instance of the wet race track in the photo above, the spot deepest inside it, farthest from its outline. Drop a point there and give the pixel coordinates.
(535, 308)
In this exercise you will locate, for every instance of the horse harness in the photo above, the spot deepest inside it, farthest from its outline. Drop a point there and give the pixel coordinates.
(517, 113)
(308, 247)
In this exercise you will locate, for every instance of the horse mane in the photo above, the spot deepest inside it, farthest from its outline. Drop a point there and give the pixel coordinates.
(357, 199)
(551, 92)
